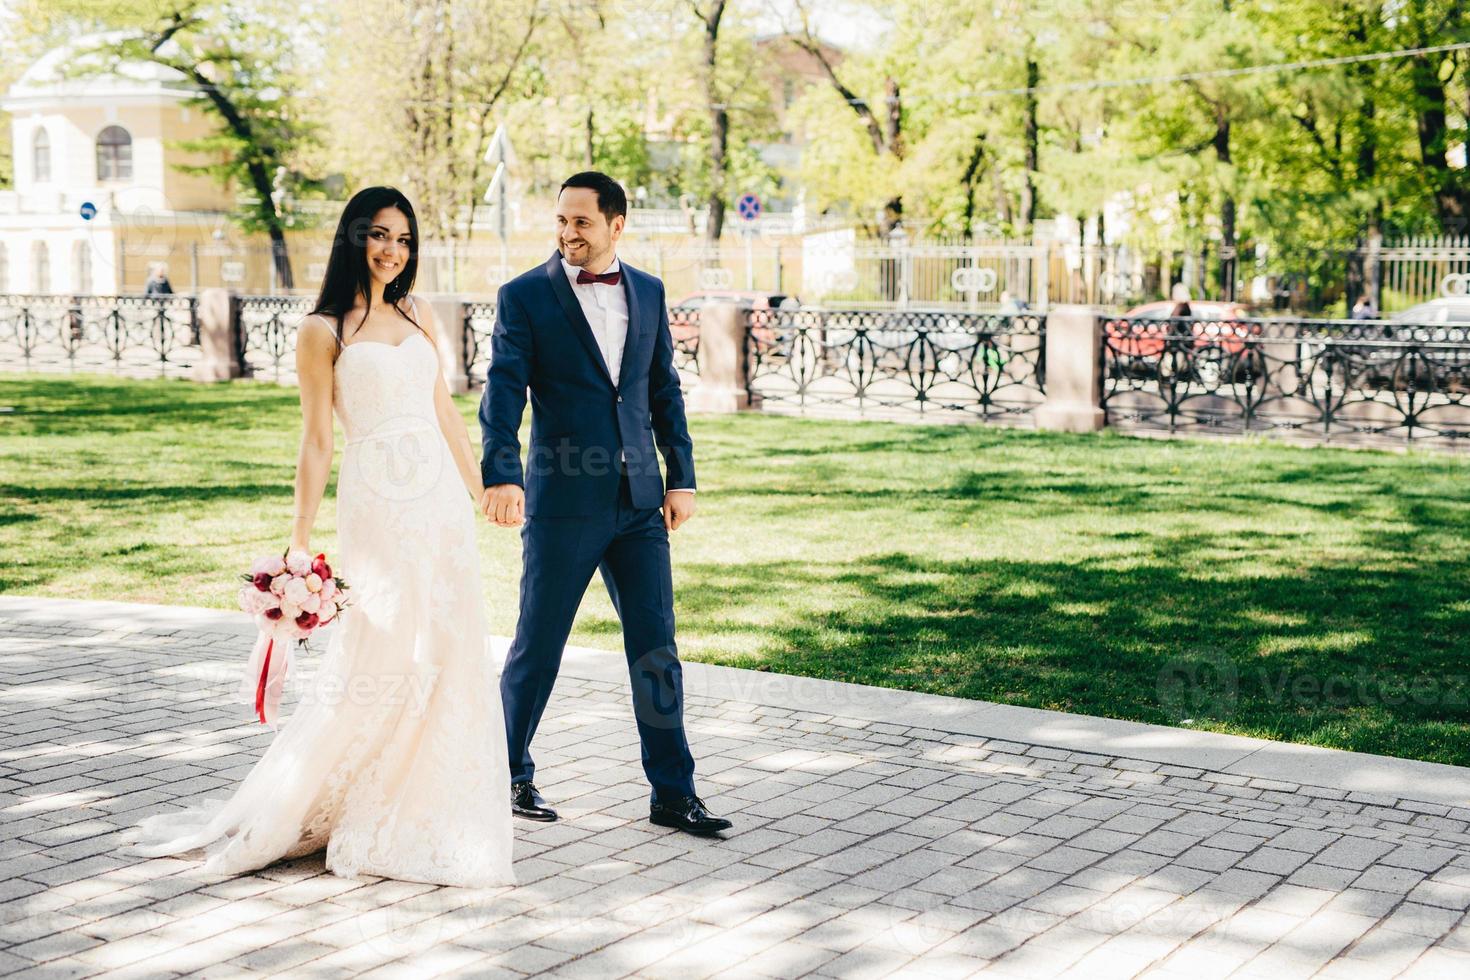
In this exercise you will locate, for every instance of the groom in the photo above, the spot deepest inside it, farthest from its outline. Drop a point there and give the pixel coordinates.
(589, 337)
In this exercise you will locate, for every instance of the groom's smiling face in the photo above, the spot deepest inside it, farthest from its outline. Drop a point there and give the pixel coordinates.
(583, 233)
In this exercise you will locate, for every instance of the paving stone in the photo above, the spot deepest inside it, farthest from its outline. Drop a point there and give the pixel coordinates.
(862, 848)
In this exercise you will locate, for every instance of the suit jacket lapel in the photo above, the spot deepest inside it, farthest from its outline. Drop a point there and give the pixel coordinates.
(573, 311)
(635, 326)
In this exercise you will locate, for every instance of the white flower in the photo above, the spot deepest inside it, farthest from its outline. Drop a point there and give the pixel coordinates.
(298, 562)
(296, 591)
(314, 582)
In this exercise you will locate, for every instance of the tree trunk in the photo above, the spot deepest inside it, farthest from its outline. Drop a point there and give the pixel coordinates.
(719, 121)
(1227, 211)
(972, 173)
(590, 154)
(1028, 189)
(1451, 196)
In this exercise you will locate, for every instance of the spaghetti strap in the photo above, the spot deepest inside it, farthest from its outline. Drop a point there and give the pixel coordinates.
(328, 322)
(413, 306)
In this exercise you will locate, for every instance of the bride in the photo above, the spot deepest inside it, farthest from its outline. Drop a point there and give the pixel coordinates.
(394, 761)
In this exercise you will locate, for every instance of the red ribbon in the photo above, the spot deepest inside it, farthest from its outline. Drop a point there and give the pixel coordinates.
(265, 670)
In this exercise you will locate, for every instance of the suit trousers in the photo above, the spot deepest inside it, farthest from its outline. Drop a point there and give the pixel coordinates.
(630, 546)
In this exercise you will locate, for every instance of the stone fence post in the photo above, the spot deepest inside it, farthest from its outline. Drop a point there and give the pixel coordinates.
(1073, 388)
(219, 332)
(721, 388)
(449, 313)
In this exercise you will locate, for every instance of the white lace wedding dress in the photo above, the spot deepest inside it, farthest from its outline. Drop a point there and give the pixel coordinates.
(394, 760)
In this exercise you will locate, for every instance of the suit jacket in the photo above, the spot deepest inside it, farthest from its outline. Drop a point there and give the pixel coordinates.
(584, 430)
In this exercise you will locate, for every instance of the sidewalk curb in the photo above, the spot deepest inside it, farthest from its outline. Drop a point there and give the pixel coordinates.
(1252, 758)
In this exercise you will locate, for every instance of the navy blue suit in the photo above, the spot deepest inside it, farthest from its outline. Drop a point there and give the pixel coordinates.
(593, 498)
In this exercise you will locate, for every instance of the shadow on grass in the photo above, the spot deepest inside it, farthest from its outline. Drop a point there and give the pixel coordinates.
(1350, 658)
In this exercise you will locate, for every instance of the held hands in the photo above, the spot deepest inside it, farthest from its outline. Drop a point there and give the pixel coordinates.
(678, 508)
(505, 504)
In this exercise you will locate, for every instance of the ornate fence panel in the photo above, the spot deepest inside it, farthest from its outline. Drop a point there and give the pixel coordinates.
(479, 323)
(266, 338)
(940, 366)
(1373, 382)
(684, 326)
(137, 336)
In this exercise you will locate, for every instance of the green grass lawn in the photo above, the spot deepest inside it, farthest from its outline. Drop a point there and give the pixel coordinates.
(1312, 595)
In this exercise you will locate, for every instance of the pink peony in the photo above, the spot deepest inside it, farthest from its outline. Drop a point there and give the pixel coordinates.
(314, 582)
(312, 604)
(296, 591)
(320, 567)
(326, 612)
(306, 620)
(278, 584)
(263, 581)
(298, 562)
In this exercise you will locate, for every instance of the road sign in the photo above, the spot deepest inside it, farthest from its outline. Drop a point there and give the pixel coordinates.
(749, 207)
(88, 210)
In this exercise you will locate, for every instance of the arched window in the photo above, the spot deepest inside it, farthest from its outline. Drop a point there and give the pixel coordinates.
(114, 154)
(41, 157)
(81, 254)
(40, 268)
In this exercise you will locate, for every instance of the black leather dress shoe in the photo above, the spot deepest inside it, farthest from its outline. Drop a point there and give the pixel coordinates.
(687, 814)
(526, 802)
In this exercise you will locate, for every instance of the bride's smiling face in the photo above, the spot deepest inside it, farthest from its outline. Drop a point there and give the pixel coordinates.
(388, 245)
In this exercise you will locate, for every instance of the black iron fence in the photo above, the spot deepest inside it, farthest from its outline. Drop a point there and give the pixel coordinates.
(1356, 381)
(265, 334)
(479, 324)
(132, 335)
(478, 321)
(934, 365)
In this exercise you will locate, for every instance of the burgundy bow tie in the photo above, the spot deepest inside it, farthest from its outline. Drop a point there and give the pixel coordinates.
(608, 278)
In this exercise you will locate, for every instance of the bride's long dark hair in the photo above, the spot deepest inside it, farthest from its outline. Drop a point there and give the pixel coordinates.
(348, 276)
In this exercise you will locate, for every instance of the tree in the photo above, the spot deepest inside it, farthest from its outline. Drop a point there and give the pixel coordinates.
(710, 14)
(449, 71)
(242, 63)
(882, 124)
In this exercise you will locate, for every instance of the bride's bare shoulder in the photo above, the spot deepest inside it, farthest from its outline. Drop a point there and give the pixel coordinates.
(317, 329)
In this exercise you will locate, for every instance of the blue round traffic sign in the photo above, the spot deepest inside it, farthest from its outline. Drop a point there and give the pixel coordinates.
(88, 210)
(749, 207)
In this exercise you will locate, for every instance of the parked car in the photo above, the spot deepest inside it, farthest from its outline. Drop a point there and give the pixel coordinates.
(1219, 348)
(1447, 310)
(1445, 320)
(1369, 352)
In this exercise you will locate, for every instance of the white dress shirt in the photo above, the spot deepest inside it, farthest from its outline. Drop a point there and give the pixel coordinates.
(606, 310)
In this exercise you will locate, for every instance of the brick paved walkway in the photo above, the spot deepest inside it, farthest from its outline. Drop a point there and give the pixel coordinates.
(878, 833)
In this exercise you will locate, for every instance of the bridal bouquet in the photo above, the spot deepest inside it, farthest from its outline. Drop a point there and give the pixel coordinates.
(289, 596)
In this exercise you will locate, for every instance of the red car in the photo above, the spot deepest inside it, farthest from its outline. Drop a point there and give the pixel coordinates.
(1220, 332)
(1215, 322)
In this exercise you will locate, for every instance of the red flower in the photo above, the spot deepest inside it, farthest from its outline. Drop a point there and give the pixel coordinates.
(306, 620)
(263, 581)
(320, 567)
(273, 613)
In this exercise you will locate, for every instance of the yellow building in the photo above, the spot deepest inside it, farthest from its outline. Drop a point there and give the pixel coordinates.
(103, 144)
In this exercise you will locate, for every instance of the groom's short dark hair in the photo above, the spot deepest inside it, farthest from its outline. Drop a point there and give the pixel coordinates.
(611, 200)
